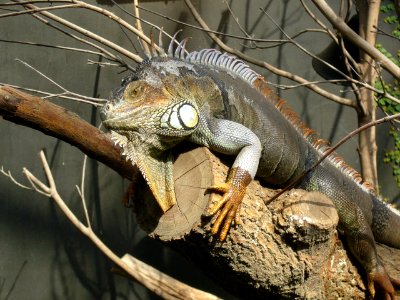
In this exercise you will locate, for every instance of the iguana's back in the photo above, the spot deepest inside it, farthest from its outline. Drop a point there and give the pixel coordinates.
(285, 151)
(290, 148)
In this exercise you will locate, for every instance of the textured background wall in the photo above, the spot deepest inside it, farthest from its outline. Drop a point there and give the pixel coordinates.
(41, 255)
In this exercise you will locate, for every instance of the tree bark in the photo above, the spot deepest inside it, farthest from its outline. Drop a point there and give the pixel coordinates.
(288, 249)
(368, 12)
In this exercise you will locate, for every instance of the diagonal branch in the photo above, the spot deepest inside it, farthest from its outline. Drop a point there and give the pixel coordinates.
(38, 9)
(331, 150)
(88, 33)
(82, 98)
(275, 70)
(156, 281)
(346, 31)
(58, 122)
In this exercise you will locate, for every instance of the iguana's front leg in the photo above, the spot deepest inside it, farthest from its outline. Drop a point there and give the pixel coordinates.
(231, 138)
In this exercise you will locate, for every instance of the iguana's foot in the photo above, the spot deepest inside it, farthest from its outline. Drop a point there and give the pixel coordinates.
(383, 284)
(232, 192)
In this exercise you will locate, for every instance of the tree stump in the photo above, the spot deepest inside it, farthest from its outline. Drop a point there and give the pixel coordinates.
(288, 249)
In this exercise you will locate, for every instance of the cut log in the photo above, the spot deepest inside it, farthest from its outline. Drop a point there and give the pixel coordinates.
(288, 249)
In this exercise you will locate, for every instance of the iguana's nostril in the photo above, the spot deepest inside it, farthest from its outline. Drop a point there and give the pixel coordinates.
(107, 107)
(105, 111)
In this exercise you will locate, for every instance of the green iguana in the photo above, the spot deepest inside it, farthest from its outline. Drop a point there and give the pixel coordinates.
(215, 100)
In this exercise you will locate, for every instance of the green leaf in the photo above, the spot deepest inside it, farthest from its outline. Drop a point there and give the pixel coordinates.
(387, 8)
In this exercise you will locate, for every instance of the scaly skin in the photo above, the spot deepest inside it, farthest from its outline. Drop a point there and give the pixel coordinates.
(233, 192)
(214, 100)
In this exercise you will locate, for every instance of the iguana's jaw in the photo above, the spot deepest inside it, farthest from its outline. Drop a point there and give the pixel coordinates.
(159, 177)
(156, 167)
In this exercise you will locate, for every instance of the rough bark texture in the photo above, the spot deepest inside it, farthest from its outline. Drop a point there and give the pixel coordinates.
(289, 249)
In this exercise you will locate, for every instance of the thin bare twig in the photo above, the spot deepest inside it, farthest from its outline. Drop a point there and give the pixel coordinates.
(15, 280)
(331, 150)
(344, 29)
(138, 25)
(288, 87)
(59, 47)
(156, 281)
(34, 1)
(81, 191)
(38, 9)
(277, 71)
(36, 184)
(90, 34)
(382, 32)
(49, 95)
(9, 175)
(109, 55)
(236, 19)
(102, 64)
(208, 30)
(283, 42)
(81, 98)
(152, 25)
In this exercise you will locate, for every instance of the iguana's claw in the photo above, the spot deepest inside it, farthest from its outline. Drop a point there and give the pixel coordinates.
(383, 283)
(216, 206)
(233, 192)
(229, 205)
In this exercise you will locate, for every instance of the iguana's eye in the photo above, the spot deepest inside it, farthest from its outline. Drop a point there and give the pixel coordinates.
(134, 93)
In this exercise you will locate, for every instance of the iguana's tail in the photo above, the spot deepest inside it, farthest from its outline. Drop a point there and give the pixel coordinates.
(386, 224)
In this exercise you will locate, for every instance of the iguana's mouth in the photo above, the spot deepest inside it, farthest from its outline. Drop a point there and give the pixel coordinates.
(117, 123)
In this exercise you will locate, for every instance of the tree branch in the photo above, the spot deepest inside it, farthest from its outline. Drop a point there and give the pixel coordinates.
(88, 33)
(346, 31)
(53, 120)
(277, 71)
(156, 281)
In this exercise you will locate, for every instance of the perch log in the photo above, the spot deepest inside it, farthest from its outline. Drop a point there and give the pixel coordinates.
(288, 249)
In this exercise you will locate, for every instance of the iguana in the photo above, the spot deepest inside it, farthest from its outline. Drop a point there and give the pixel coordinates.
(215, 100)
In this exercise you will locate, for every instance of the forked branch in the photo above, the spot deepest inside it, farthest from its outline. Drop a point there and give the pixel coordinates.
(344, 29)
(156, 281)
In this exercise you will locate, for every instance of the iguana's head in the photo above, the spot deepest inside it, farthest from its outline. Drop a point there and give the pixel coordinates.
(152, 101)
(152, 111)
